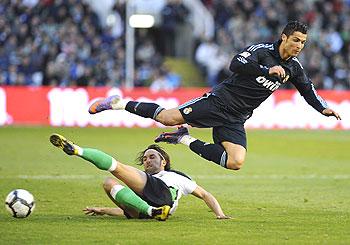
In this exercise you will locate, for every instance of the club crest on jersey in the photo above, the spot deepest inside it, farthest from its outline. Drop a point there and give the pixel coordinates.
(272, 86)
(245, 54)
(187, 110)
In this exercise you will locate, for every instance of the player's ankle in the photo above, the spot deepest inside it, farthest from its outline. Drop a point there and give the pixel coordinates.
(187, 140)
(149, 211)
(119, 105)
(78, 150)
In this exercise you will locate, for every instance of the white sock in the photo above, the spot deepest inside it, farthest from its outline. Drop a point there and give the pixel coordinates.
(187, 140)
(115, 189)
(79, 149)
(149, 211)
(113, 166)
(120, 104)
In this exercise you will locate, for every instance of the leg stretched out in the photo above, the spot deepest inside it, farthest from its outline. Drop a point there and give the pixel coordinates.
(170, 117)
(226, 154)
(132, 177)
(202, 112)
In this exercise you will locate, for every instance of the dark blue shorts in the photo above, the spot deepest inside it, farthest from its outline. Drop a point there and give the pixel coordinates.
(209, 111)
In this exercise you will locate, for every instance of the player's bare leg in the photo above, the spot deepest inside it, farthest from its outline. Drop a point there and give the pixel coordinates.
(132, 177)
(235, 155)
(108, 185)
(169, 117)
(226, 154)
(136, 181)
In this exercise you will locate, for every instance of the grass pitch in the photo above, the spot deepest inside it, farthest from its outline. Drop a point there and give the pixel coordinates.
(293, 189)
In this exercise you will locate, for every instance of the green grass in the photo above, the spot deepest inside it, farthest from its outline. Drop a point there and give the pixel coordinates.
(293, 189)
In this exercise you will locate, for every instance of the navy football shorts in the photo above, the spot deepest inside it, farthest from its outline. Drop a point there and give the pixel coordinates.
(209, 111)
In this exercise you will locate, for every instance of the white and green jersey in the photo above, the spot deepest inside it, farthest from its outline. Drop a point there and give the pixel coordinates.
(179, 185)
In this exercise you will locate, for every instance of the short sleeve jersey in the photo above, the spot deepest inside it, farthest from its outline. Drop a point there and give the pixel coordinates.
(181, 184)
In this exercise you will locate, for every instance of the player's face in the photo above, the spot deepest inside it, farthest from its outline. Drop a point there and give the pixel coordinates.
(293, 44)
(152, 162)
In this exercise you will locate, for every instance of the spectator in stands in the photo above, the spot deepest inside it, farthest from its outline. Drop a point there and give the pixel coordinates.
(329, 32)
(40, 31)
(165, 80)
(173, 14)
(63, 43)
(211, 60)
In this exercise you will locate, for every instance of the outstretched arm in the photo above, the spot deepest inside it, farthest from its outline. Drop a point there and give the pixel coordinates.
(317, 102)
(103, 211)
(306, 88)
(211, 202)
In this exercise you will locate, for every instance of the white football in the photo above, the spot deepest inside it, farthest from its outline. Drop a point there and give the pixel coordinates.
(20, 203)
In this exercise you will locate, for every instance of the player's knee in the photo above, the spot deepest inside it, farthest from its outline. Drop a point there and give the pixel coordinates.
(235, 163)
(109, 183)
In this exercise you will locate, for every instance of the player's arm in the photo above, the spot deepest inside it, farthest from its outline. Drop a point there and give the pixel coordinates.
(247, 62)
(211, 202)
(103, 211)
(307, 90)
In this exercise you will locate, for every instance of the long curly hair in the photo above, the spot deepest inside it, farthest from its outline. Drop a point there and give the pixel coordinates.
(162, 153)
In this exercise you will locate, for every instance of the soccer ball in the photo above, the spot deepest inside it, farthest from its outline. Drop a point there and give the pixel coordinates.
(20, 203)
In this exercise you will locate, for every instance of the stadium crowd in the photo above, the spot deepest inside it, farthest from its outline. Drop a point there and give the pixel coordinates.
(62, 42)
(238, 23)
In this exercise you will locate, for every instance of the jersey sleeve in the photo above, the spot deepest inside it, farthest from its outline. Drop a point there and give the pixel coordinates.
(307, 89)
(188, 186)
(247, 62)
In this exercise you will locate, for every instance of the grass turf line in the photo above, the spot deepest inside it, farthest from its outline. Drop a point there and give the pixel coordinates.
(299, 210)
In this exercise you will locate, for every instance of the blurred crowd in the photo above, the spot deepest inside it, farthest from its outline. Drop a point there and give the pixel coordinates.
(63, 43)
(56, 43)
(239, 23)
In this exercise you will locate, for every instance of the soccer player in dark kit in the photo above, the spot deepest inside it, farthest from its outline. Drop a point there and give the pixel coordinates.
(258, 71)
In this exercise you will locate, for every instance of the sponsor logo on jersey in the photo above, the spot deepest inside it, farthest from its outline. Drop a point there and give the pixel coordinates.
(187, 110)
(268, 83)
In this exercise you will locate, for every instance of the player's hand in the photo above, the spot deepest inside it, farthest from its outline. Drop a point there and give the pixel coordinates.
(93, 211)
(277, 71)
(223, 217)
(329, 112)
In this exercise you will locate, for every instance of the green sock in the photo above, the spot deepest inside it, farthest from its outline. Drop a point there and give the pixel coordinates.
(128, 198)
(98, 158)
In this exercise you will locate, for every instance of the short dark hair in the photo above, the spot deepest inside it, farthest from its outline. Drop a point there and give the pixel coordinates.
(165, 156)
(294, 26)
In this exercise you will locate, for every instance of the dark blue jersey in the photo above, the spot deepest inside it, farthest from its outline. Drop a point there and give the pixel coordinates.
(250, 84)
